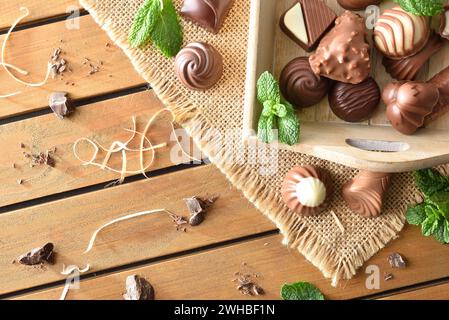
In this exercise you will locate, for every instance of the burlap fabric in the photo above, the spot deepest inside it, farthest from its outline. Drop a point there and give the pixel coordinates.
(338, 244)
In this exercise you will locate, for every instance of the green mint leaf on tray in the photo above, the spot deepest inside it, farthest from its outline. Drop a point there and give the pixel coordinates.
(301, 291)
(422, 7)
(265, 129)
(157, 21)
(268, 88)
(289, 129)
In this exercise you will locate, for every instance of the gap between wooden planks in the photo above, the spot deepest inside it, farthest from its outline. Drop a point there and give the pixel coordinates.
(208, 275)
(69, 224)
(435, 292)
(32, 48)
(103, 122)
(39, 10)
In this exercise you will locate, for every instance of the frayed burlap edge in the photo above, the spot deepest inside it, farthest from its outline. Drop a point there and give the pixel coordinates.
(293, 228)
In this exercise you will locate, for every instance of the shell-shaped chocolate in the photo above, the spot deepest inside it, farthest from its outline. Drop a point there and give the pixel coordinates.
(398, 33)
(409, 103)
(307, 190)
(365, 193)
(300, 85)
(199, 66)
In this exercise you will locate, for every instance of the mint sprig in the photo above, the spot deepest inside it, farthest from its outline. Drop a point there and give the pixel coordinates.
(433, 213)
(301, 291)
(422, 7)
(157, 21)
(276, 114)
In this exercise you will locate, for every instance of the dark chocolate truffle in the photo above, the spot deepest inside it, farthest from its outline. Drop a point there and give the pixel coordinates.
(307, 190)
(210, 14)
(199, 66)
(355, 102)
(300, 85)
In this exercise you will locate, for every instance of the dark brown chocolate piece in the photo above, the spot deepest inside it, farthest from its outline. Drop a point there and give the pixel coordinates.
(61, 105)
(198, 209)
(444, 23)
(307, 190)
(306, 22)
(441, 81)
(38, 255)
(397, 261)
(408, 68)
(137, 288)
(355, 102)
(300, 85)
(210, 14)
(357, 4)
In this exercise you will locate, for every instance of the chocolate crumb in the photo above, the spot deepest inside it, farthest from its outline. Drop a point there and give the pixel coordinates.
(19, 181)
(38, 255)
(246, 285)
(58, 64)
(13, 165)
(388, 276)
(61, 104)
(198, 208)
(138, 288)
(396, 261)
(22, 146)
(179, 222)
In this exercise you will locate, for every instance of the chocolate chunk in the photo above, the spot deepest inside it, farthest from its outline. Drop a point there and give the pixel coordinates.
(61, 105)
(365, 193)
(354, 102)
(137, 288)
(210, 14)
(399, 34)
(38, 255)
(300, 85)
(198, 209)
(409, 67)
(441, 81)
(199, 66)
(306, 22)
(409, 103)
(396, 261)
(307, 190)
(444, 24)
(357, 4)
(344, 54)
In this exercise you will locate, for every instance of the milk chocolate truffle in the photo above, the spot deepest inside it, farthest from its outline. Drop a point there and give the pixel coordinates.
(409, 67)
(199, 66)
(354, 102)
(409, 103)
(300, 85)
(399, 34)
(210, 14)
(365, 193)
(344, 54)
(307, 190)
(357, 4)
(306, 22)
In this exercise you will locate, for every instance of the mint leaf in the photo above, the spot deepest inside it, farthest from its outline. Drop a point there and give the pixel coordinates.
(289, 129)
(421, 7)
(265, 129)
(144, 22)
(268, 88)
(416, 215)
(439, 233)
(301, 291)
(441, 201)
(429, 225)
(446, 231)
(430, 181)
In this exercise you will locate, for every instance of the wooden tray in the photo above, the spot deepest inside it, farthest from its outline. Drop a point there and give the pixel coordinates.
(373, 145)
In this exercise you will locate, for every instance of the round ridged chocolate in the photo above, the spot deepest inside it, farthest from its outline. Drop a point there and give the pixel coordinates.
(199, 66)
(300, 85)
(307, 190)
(355, 102)
(357, 4)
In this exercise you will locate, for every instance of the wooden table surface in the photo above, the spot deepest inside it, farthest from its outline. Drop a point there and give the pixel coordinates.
(67, 203)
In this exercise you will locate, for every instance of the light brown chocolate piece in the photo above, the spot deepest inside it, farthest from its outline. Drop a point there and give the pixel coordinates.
(307, 190)
(365, 193)
(344, 54)
(409, 103)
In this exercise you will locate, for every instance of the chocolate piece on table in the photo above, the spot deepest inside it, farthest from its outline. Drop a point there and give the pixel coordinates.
(61, 105)
(354, 102)
(357, 4)
(306, 22)
(38, 255)
(409, 103)
(300, 85)
(409, 67)
(210, 14)
(344, 54)
(444, 23)
(441, 81)
(307, 190)
(137, 288)
(199, 66)
(365, 193)
(399, 34)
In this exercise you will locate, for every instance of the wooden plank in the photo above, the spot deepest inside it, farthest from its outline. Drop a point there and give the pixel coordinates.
(31, 49)
(70, 223)
(103, 122)
(436, 292)
(208, 275)
(39, 10)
